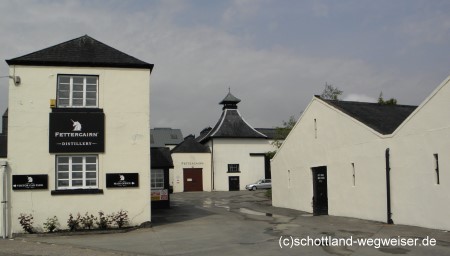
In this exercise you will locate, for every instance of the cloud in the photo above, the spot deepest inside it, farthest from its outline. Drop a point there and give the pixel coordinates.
(360, 98)
(241, 10)
(429, 30)
(196, 63)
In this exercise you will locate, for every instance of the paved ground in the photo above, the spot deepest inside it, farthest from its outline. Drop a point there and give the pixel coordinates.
(232, 223)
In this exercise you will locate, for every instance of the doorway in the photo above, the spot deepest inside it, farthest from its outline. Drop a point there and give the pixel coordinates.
(233, 183)
(193, 179)
(320, 192)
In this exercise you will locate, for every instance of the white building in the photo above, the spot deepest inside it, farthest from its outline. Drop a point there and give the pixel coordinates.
(78, 134)
(192, 167)
(369, 161)
(238, 151)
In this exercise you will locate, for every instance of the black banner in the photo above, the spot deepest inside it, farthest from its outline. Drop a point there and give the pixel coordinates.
(77, 132)
(122, 180)
(23, 182)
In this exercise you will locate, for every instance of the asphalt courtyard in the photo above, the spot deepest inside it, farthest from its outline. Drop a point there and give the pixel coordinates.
(239, 223)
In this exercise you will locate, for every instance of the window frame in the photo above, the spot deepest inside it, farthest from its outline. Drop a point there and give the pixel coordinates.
(436, 168)
(233, 170)
(70, 177)
(153, 176)
(71, 91)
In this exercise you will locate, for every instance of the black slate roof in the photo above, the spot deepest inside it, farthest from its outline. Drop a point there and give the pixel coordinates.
(161, 158)
(382, 118)
(230, 99)
(190, 145)
(84, 51)
(232, 125)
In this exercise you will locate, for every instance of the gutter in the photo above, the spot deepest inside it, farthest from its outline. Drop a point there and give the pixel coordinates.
(388, 188)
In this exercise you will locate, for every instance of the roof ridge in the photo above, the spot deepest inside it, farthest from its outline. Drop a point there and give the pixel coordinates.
(364, 102)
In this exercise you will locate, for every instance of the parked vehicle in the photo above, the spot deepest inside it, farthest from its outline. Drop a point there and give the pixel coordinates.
(260, 184)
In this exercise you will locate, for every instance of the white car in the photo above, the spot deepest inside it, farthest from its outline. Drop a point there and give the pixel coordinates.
(262, 183)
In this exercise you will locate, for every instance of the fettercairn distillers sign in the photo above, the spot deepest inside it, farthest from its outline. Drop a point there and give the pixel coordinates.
(77, 132)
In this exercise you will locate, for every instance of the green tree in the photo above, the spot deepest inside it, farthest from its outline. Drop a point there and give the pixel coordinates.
(331, 93)
(391, 101)
(281, 133)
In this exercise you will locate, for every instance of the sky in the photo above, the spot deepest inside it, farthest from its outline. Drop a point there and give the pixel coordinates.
(274, 55)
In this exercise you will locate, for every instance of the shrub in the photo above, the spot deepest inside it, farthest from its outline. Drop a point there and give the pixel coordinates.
(104, 221)
(88, 221)
(26, 221)
(51, 224)
(120, 218)
(73, 223)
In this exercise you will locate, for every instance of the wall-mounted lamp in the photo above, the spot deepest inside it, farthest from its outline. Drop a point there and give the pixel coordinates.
(16, 79)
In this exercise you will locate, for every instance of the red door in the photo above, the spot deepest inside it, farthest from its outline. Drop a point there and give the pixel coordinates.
(193, 179)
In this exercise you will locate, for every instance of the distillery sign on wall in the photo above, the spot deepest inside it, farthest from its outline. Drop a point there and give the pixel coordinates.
(25, 182)
(77, 132)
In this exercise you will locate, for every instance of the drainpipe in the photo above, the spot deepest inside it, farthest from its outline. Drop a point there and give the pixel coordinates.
(212, 164)
(388, 188)
(4, 201)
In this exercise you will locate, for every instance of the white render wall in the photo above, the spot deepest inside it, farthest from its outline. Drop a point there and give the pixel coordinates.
(124, 97)
(340, 142)
(237, 151)
(418, 199)
(190, 160)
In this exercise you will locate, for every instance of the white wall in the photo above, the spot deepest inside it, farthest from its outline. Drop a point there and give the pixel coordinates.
(418, 199)
(191, 160)
(340, 141)
(237, 151)
(124, 96)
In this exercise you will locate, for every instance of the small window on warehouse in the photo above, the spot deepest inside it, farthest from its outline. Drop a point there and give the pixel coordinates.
(233, 168)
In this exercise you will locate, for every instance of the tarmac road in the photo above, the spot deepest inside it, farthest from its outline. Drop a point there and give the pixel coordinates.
(236, 223)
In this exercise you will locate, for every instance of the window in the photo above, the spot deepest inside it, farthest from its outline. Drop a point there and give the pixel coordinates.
(436, 167)
(289, 178)
(77, 91)
(233, 168)
(157, 179)
(75, 172)
(315, 128)
(354, 174)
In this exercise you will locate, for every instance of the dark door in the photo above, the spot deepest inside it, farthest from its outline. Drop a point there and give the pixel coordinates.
(320, 195)
(193, 179)
(233, 183)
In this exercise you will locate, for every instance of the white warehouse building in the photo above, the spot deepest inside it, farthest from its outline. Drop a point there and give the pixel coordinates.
(385, 163)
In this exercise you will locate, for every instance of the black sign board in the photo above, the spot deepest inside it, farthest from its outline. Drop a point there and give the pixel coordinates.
(77, 132)
(23, 182)
(122, 180)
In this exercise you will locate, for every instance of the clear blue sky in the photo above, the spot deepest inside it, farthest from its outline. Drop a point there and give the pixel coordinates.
(274, 54)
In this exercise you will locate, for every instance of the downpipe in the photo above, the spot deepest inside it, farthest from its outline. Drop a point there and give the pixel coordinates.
(4, 201)
(388, 187)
